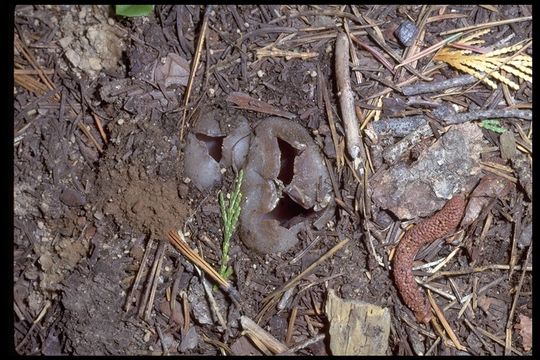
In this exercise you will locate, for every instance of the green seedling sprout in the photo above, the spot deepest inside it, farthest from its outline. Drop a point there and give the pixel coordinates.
(493, 125)
(133, 10)
(230, 211)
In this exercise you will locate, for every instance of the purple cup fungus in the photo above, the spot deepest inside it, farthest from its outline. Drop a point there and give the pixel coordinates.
(208, 148)
(286, 187)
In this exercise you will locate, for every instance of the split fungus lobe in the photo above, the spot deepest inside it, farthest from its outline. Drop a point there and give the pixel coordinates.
(286, 188)
(286, 185)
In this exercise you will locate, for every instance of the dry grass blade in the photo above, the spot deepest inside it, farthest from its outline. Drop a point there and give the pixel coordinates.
(100, 128)
(445, 17)
(86, 130)
(488, 25)
(429, 50)
(445, 324)
(21, 47)
(201, 263)
(194, 66)
(195, 258)
(20, 71)
(499, 173)
(30, 84)
(271, 299)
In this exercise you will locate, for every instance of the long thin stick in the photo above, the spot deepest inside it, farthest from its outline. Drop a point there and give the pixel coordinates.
(514, 304)
(271, 298)
(129, 299)
(194, 65)
(147, 293)
(346, 99)
(155, 280)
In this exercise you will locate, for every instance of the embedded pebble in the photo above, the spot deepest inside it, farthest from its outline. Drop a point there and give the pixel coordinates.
(190, 340)
(72, 198)
(406, 33)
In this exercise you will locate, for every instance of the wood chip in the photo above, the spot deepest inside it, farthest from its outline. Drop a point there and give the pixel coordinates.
(508, 145)
(356, 327)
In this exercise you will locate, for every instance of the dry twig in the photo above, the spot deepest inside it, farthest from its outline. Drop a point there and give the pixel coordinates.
(449, 117)
(244, 101)
(149, 293)
(194, 66)
(261, 337)
(487, 25)
(346, 98)
(272, 298)
(129, 299)
(438, 86)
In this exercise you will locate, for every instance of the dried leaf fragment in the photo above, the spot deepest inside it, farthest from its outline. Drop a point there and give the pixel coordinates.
(525, 330)
(174, 69)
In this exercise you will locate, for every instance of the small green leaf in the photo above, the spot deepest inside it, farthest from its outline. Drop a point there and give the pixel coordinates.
(493, 125)
(134, 10)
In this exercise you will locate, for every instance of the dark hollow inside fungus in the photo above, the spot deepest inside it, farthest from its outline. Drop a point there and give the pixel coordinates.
(286, 180)
(288, 212)
(213, 144)
(288, 155)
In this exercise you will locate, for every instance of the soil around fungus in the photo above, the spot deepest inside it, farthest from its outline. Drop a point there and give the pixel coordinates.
(106, 160)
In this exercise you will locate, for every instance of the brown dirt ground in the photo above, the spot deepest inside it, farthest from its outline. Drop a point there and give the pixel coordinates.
(91, 207)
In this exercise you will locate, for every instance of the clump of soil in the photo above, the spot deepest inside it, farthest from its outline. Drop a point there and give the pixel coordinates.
(139, 189)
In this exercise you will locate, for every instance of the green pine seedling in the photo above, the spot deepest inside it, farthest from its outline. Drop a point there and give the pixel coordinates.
(230, 212)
